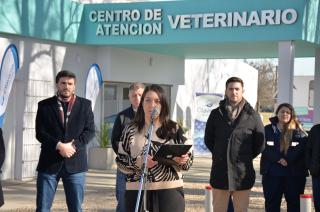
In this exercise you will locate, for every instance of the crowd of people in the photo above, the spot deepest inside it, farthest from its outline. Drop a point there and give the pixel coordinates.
(65, 125)
(234, 134)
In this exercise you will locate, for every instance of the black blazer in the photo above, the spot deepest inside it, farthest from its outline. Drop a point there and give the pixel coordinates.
(49, 131)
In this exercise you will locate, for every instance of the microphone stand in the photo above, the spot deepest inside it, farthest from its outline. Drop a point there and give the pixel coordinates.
(144, 171)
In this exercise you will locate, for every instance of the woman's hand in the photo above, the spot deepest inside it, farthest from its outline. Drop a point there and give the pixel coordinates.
(150, 162)
(283, 162)
(181, 160)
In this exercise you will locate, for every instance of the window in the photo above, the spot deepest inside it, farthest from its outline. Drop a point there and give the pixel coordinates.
(125, 93)
(110, 92)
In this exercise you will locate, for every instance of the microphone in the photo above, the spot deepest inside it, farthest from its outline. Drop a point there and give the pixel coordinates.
(154, 113)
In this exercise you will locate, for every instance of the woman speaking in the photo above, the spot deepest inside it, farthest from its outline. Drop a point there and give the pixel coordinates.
(163, 182)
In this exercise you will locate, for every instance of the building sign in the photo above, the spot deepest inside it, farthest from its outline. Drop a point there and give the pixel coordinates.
(126, 22)
(164, 22)
(129, 22)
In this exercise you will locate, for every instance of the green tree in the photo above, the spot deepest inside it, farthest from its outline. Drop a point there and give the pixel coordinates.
(267, 83)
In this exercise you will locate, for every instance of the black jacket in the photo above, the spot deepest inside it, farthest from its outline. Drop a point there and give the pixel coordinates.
(295, 155)
(123, 118)
(313, 151)
(233, 147)
(49, 131)
(2, 157)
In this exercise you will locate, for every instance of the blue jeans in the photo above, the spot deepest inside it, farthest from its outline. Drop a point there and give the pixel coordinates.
(120, 191)
(316, 193)
(73, 187)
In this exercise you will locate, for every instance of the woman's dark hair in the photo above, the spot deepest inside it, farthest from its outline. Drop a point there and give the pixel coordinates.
(166, 125)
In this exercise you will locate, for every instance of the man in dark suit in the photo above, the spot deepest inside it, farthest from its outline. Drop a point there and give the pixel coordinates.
(64, 126)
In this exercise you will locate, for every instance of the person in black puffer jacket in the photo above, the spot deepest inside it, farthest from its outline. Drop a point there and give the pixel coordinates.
(234, 135)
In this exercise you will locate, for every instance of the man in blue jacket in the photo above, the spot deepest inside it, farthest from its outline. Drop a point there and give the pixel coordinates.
(235, 136)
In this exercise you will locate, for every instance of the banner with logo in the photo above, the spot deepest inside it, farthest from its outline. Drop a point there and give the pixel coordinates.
(8, 69)
(93, 83)
(205, 103)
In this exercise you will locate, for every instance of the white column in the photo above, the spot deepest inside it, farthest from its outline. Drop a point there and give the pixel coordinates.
(285, 71)
(316, 100)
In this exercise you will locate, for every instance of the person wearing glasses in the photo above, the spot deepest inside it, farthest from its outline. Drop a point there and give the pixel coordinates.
(282, 164)
(164, 182)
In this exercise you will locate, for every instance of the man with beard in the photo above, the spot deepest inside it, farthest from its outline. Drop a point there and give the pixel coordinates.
(64, 126)
(234, 135)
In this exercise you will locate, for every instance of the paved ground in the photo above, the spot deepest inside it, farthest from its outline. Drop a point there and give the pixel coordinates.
(100, 191)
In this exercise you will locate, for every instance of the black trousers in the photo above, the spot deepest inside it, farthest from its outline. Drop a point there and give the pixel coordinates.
(274, 187)
(165, 200)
